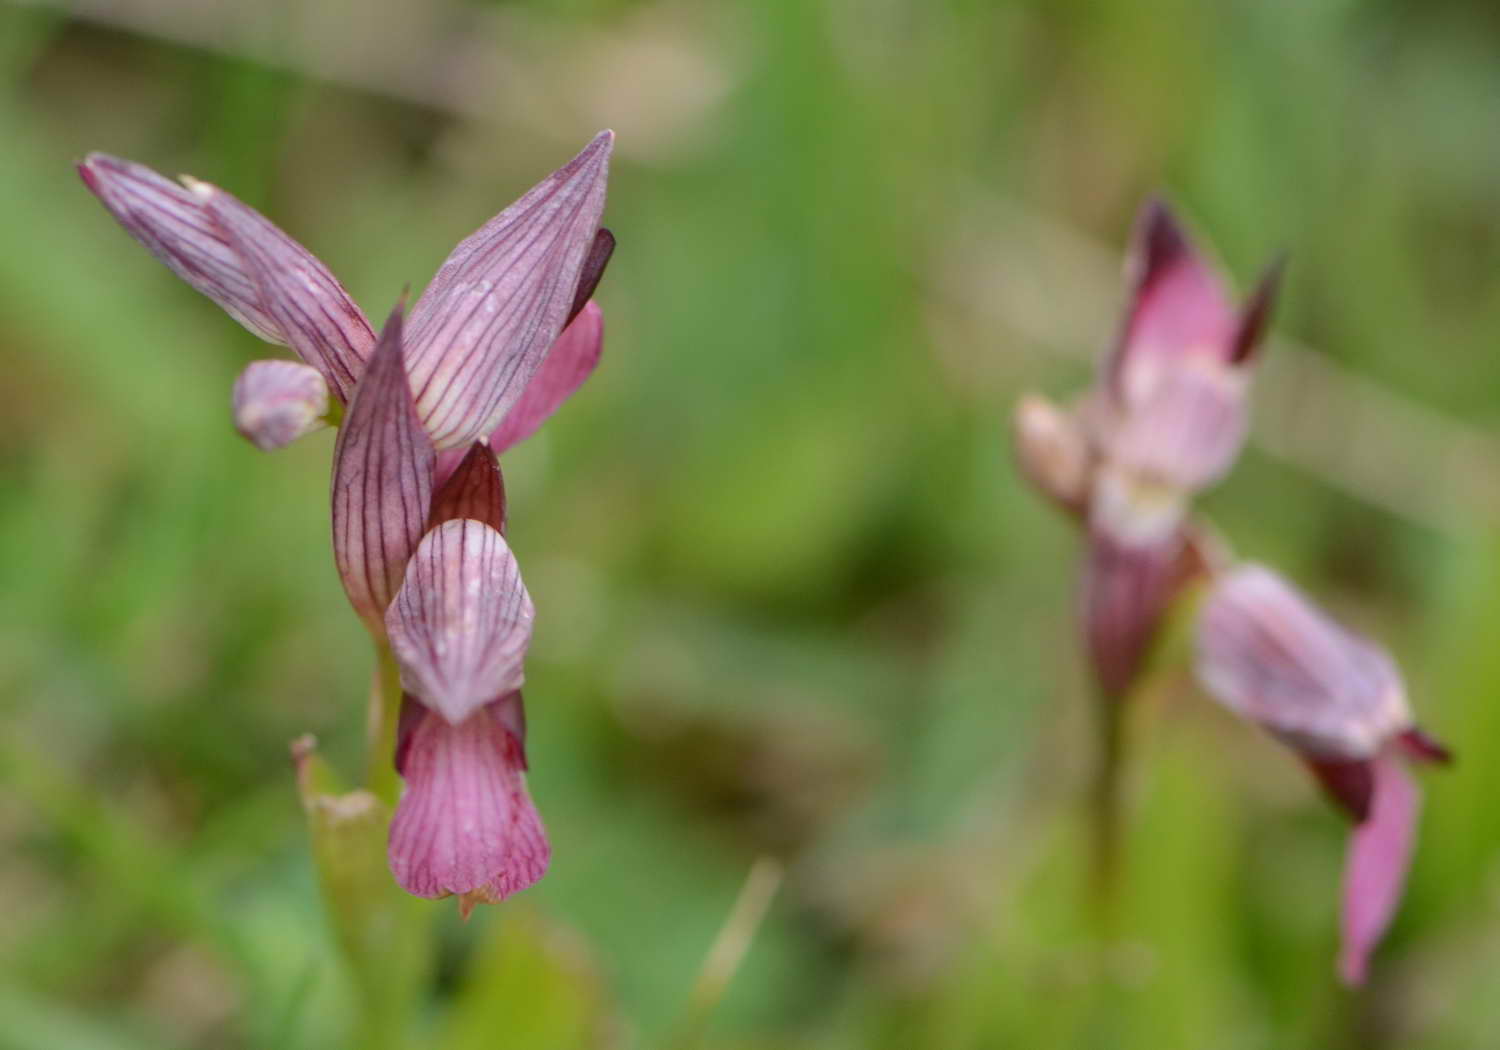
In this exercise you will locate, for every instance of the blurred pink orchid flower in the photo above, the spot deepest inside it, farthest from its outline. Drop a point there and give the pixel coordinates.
(1336, 699)
(1166, 420)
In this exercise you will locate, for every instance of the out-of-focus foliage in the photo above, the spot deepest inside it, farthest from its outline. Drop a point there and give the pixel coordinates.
(791, 597)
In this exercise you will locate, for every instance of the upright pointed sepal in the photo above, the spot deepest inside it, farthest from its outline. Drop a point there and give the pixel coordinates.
(460, 625)
(277, 402)
(466, 825)
(1380, 850)
(484, 324)
(594, 264)
(382, 482)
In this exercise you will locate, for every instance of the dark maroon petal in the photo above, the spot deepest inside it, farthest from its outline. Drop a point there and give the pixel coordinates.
(382, 482)
(475, 489)
(466, 824)
(1255, 318)
(1419, 747)
(569, 363)
(174, 225)
(460, 624)
(1351, 785)
(1375, 872)
(276, 402)
(497, 304)
(1266, 653)
(309, 306)
(593, 270)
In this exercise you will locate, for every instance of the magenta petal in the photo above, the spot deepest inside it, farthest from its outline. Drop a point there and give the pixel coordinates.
(276, 402)
(571, 360)
(1267, 654)
(466, 823)
(474, 489)
(460, 625)
(1178, 304)
(174, 225)
(310, 307)
(1375, 872)
(485, 323)
(382, 482)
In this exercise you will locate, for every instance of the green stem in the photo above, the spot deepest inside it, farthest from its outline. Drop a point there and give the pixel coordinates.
(1106, 804)
(384, 717)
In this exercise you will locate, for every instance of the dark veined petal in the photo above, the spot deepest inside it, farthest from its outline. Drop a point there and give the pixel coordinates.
(460, 625)
(474, 489)
(1267, 654)
(484, 324)
(1379, 855)
(311, 309)
(594, 263)
(175, 226)
(276, 402)
(571, 360)
(466, 824)
(382, 482)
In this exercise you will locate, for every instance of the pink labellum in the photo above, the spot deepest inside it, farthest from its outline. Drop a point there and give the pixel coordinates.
(474, 489)
(1380, 852)
(382, 482)
(310, 307)
(466, 824)
(1267, 654)
(571, 360)
(276, 402)
(485, 323)
(460, 625)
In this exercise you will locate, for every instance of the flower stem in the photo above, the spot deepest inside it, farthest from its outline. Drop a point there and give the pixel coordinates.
(1106, 805)
(384, 717)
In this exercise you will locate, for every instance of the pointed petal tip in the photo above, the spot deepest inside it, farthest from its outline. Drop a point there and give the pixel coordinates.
(1255, 315)
(1420, 747)
(1159, 233)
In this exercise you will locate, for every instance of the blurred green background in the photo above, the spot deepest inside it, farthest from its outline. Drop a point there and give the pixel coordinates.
(793, 600)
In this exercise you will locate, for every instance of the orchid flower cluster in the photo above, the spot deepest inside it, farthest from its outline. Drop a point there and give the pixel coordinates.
(1167, 420)
(503, 334)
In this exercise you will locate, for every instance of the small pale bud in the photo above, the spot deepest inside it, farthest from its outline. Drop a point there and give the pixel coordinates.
(276, 402)
(1052, 451)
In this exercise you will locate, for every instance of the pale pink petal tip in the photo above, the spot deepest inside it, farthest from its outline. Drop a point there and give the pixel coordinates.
(571, 360)
(1052, 452)
(1375, 873)
(483, 326)
(382, 482)
(466, 824)
(460, 624)
(276, 402)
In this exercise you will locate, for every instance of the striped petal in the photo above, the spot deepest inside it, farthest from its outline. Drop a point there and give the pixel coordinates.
(485, 323)
(1380, 851)
(241, 260)
(382, 482)
(460, 625)
(276, 402)
(1267, 654)
(571, 360)
(313, 312)
(466, 824)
